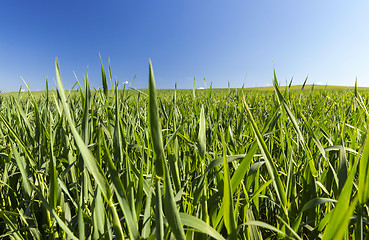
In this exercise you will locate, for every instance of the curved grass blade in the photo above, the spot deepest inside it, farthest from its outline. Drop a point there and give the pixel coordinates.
(199, 225)
(266, 226)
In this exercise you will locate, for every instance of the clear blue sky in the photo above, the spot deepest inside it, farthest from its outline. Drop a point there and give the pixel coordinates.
(221, 41)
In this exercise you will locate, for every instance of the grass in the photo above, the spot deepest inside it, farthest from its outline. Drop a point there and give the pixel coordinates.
(286, 162)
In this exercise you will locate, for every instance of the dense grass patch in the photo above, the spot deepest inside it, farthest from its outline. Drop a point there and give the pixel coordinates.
(184, 164)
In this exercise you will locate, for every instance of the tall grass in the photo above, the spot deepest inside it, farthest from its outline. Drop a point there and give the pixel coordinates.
(196, 164)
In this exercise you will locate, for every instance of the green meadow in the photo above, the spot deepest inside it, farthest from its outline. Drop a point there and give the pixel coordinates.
(278, 162)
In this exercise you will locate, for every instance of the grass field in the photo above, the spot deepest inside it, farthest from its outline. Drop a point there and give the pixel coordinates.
(262, 163)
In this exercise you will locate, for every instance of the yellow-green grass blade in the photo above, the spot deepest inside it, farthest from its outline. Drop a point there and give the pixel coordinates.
(53, 172)
(194, 90)
(170, 209)
(159, 220)
(201, 139)
(23, 169)
(289, 228)
(98, 215)
(199, 225)
(363, 178)
(147, 216)
(228, 209)
(260, 189)
(266, 226)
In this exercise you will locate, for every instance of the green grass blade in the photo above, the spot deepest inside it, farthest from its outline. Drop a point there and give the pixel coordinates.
(170, 209)
(344, 208)
(155, 127)
(23, 169)
(229, 217)
(201, 139)
(104, 81)
(159, 220)
(363, 178)
(200, 225)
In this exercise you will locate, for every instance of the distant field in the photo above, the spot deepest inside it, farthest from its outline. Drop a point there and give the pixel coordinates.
(166, 91)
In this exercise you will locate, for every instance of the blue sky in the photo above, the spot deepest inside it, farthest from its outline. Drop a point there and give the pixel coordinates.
(221, 41)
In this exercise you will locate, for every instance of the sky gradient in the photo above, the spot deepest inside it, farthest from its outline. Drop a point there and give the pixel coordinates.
(326, 41)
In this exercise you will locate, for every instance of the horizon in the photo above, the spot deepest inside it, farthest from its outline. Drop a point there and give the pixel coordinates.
(201, 88)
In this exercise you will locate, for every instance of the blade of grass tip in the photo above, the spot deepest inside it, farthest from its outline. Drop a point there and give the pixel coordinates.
(194, 90)
(170, 208)
(155, 127)
(90, 160)
(302, 89)
(290, 84)
(201, 139)
(229, 217)
(272, 170)
(104, 81)
(110, 75)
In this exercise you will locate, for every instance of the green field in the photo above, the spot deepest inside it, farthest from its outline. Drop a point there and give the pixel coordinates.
(253, 163)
